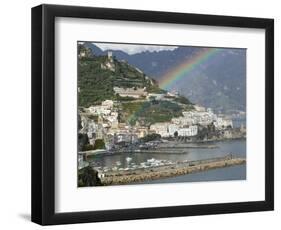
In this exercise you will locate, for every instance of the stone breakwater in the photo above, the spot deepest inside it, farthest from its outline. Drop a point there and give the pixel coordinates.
(181, 168)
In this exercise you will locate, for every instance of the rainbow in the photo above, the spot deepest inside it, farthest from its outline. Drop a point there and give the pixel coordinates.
(182, 70)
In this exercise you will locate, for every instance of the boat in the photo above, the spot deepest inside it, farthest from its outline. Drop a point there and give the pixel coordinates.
(128, 159)
(151, 160)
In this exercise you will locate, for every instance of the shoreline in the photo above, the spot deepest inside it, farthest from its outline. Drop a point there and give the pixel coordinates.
(220, 139)
(165, 148)
(181, 168)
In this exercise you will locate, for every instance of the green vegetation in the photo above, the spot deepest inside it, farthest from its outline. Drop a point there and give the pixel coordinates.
(98, 75)
(87, 147)
(95, 118)
(127, 76)
(182, 100)
(96, 83)
(124, 98)
(155, 89)
(88, 177)
(151, 137)
(83, 140)
(99, 144)
(87, 53)
(149, 112)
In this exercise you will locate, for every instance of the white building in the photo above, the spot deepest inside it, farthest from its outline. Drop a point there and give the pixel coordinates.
(108, 104)
(221, 123)
(127, 137)
(99, 110)
(171, 94)
(172, 129)
(168, 130)
(199, 108)
(183, 121)
(108, 65)
(109, 55)
(104, 109)
(161, 128)
(142, 132)
(202, 118)
(88, 126)
(157, 96)
(100, 133)
(188, 132)
(112, 119)
(130, 92)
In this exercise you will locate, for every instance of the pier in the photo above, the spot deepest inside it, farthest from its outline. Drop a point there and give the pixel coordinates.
(177, 169)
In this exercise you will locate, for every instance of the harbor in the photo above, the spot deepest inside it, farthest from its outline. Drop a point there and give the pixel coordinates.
(136, 127)
(166, 171)
(169, 165)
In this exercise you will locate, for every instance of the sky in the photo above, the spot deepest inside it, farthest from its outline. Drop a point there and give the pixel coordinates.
(132, 49)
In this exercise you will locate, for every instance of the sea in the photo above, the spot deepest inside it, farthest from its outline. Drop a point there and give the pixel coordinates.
(236, 147)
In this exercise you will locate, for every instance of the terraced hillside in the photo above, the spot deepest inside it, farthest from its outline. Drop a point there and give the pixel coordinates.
(96, 80)
(99, 76)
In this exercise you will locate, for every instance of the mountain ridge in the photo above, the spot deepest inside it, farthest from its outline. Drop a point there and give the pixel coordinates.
(220, 85)
(137, 97)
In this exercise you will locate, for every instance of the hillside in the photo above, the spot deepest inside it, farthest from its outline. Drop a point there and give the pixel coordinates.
(150, 112)
(101, 78)
(98, 77)
(220, 85)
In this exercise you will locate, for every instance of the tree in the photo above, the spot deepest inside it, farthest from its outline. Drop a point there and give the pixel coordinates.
(151, 137)
(83, 140)
(99, 144)
(79, 122)
(183, 100)
(88, 147)
(88, 177)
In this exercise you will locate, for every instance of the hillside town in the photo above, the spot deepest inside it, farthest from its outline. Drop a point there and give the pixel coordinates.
(100, 122)
(130, 129)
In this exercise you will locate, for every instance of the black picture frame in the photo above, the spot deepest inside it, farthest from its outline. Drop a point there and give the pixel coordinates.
(43, 114)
